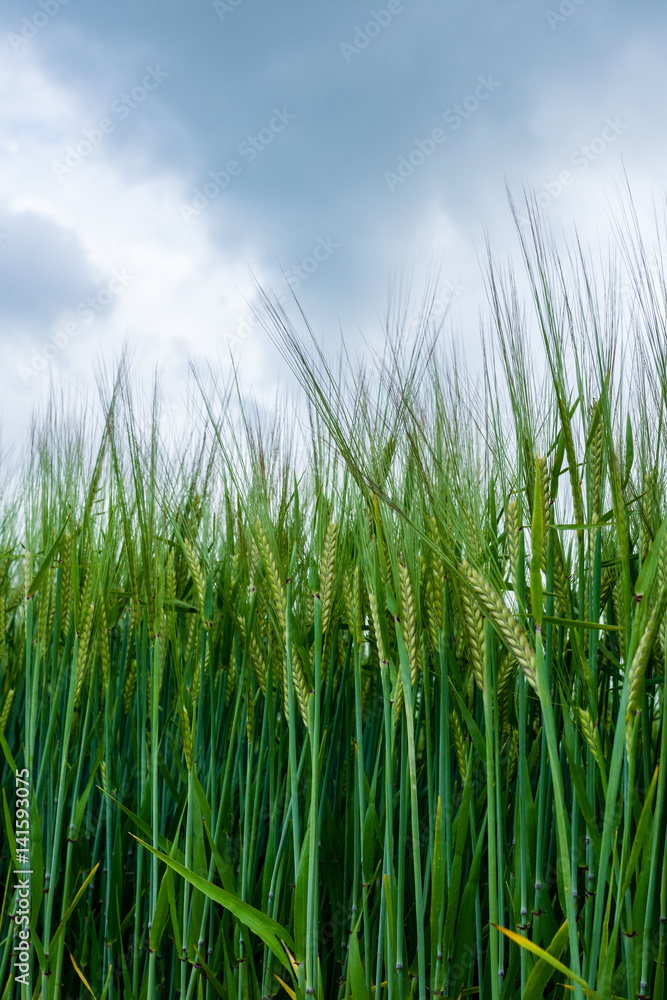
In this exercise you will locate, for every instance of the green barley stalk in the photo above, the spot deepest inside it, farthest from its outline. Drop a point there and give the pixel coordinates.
(408, 720)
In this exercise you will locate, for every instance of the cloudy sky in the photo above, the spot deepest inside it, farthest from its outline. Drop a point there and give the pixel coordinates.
(157, 155)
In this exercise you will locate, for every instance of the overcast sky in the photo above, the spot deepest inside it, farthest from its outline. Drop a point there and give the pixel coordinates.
(156, 155)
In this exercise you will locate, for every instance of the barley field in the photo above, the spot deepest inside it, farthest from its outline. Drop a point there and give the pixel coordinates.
(367, 702)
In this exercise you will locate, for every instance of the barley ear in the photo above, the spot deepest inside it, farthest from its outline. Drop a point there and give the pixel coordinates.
(328, 562)
(275, 582)
(637, 667)
(6, 709)
(500, 615)
(459, 743)
(409, 620)
(474, 626)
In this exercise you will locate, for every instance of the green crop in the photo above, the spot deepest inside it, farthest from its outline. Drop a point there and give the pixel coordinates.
(372, 710)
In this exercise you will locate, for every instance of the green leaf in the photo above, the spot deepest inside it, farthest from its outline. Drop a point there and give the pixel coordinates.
(36, 859)
(203, 801)
(392, 603)
(650, 564)
(357, 977)
(172, 910)
(575, 623)
(210, 975)
(60, 930)
(558, 465)
(208, 598)
(268, 930)
(80, 974)
(7, 753)
(629, 452)
(473, 729)
(300, 899)
(200, 866)
(369, 839)
(539, 978)
(437, 883)
(143, 826)
(537, 547)
(602, 520)
(9, 827)
(579, 782)
(457, 864)
(550, 959)
(161, 912)
(642, 829)
(391, 916)
(46, 562)
(313, 577)
(465, 925)
(83, 799)
(223, 865)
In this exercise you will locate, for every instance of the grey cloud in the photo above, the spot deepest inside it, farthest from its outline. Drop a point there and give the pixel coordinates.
(43, 270)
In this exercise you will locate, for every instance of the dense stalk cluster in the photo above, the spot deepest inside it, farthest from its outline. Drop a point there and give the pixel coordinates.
(380, 716)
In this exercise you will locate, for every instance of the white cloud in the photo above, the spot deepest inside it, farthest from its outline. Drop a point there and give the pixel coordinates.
(182, 296)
